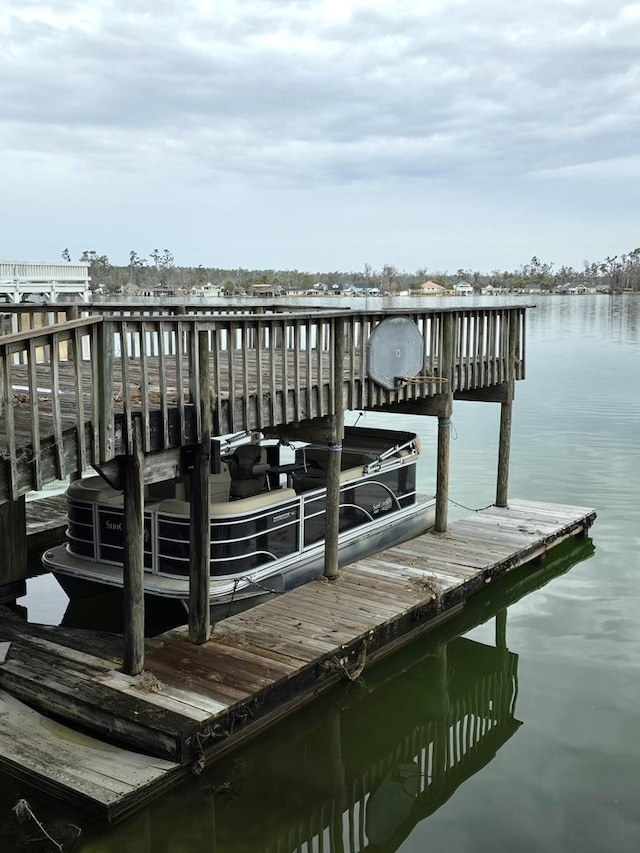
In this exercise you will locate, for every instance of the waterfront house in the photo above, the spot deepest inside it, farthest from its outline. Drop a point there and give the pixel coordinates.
(463, 288)
(431, 288)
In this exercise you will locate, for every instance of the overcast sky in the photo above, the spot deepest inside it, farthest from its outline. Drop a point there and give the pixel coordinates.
(321, 134)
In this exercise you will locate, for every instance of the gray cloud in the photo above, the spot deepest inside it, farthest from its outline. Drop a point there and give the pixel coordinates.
(276, 94)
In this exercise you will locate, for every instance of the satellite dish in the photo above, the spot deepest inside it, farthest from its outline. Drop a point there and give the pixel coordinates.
(395, 349)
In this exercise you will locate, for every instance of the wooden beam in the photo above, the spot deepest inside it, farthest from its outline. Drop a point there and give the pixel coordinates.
(106, 426)
(13, 542)
(336, 426)
(442, 474)
(504, 447)
(164, 465)
(200, 529)
(448, 349)
(436, 406)
(133, 570)
(502, 393)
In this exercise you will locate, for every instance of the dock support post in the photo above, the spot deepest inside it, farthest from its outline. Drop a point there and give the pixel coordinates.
(200, 529)
(336, 429)
(448, 344)
(504, 447)
(133, 571)
(13, 549)
(442, 474)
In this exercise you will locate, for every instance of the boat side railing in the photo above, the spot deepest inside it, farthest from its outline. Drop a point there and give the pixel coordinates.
(71, 386)
(243, 535)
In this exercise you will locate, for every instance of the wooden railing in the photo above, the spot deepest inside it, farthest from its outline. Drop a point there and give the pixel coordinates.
(71, 388)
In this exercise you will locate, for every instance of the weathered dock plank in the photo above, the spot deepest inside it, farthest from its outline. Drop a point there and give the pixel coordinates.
(51, 677)
(66, 763)
(193, 701)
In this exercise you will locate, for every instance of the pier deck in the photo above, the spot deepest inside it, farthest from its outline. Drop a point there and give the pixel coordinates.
(194, 701)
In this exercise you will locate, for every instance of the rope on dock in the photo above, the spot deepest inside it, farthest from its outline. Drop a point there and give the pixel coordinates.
(214, 733)
(338, 665)
(24, 813)
(419, 380)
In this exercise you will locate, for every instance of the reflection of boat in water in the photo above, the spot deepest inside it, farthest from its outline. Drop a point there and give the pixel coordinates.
(267, 514)
(359, 769)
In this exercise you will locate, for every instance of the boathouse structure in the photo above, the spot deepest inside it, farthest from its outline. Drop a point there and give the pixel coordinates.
(139, 393)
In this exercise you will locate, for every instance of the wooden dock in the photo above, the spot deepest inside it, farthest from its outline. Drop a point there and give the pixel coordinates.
(194, 701)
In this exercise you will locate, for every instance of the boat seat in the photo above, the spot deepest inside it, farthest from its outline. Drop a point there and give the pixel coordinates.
(315, 461)
(244, 506)
(178, 490)
(318, 457)
(316, 478)
(248, 468)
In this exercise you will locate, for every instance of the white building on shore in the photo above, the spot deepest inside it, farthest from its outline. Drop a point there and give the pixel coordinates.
(25, 281)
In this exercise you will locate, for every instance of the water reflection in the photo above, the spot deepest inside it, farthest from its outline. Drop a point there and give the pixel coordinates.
(360, 768)
(105, 612)
(602, 318)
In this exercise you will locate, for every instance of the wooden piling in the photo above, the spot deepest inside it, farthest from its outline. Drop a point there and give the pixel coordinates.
(504, 446)
(504, 441)
(336, 430)
(13, 549)
(448, 345)
(442, 474)
(133, 570)
(200, 529)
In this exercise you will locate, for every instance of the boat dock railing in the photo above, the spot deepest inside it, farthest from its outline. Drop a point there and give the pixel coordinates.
(74, 377)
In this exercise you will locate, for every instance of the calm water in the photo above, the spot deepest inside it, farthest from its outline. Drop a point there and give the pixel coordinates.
(460, 741)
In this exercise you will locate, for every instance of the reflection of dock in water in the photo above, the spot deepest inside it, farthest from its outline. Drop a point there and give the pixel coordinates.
(451, 733)
(360, 769)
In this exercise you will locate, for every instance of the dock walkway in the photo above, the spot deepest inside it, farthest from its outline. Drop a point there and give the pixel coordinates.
(194, 701)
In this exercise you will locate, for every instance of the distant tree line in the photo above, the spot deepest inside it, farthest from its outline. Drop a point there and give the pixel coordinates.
(158, 270)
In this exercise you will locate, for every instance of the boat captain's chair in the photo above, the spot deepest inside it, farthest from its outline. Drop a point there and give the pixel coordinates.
(248, 467)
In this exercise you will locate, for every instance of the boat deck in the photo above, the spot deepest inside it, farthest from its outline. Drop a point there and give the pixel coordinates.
(192, 702)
